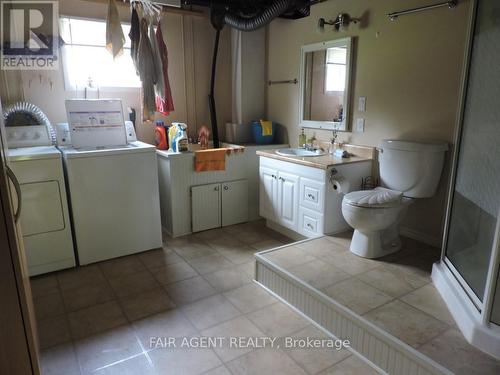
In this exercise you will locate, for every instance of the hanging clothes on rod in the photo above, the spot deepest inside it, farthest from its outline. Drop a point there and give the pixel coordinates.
(164, 102)
(134, 35)
(147, 72)
(115, 40)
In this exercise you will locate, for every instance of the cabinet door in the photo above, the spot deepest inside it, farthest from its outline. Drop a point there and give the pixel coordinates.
(205, 207)
(268, 193)
(234, 202)
(288, 200)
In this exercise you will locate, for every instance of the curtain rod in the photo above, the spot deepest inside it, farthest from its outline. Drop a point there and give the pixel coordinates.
(166, 9)
(450, 4)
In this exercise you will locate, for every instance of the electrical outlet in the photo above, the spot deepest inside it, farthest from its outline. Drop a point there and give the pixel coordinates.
(362, 104)
(360, 125)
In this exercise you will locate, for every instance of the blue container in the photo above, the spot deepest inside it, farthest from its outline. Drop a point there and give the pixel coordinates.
(257, 134)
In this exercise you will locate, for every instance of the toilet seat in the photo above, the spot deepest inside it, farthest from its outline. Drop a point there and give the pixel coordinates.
(376, 198)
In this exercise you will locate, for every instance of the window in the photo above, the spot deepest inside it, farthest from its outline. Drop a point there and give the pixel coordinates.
(336, 58)
(85, 57)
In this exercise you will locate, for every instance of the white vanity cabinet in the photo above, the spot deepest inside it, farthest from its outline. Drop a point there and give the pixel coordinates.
(302, 199)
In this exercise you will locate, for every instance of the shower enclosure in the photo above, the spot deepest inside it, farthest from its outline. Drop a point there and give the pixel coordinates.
(468, 274)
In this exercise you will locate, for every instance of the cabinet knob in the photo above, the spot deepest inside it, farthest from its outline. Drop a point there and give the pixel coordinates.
(273, 176)
(310, 196)
(216, 188)
(226, 187)
(310, 225)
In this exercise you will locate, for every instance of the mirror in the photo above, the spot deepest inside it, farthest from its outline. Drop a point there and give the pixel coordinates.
(325, 84)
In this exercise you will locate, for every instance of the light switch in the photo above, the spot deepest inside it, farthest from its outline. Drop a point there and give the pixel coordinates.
(362, 104)
(360, 125)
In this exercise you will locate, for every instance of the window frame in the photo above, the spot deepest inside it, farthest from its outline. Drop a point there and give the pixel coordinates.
(67, 82)
(326, 91)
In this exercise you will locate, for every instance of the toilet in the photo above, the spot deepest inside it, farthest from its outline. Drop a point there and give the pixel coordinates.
(409, 170)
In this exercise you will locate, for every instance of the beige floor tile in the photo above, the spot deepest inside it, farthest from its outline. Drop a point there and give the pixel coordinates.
(414, 264)
(221, 370)
(184, 361)
(320, 247)
(207, 235)
(253, 237)
(277, 320)
(106, 348)
(264, 361)
(87, 295)
(250, 297)
(53, 331)
(174, 272)
(123, 266)
(350, 263)
(410, 325)
(59, 360)
(192, 250)
(314, 360)
(267, 244)
(356, 295)
(248, 268)
(80, 276)
(43, 285)
(238, 255)
(451, 350)
(343, 239)
(158, 258)
(238, 327)
(210, 311)
(170, 323)
(225, 242)
(139, 364)
(318, 273)
(148, 303)
(132, 284)
(209, 263)
(427, 299)
(350, 366)
(227, 279)
(393, 281)
(190, 290)
(96, 319)
(289, 257)
(48, 305)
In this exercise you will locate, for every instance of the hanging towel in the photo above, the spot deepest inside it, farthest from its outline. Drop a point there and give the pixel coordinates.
(159, 86)
(147, 73)
(267, 127)
(115, 39)
(135, 36)
(210, 160)
(164, 104)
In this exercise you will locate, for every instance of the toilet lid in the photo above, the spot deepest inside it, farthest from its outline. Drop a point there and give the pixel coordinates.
(378, 197)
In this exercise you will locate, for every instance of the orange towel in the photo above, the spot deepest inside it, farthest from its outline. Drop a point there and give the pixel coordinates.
(210, 160)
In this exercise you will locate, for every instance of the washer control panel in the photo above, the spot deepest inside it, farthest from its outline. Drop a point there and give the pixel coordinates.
(27, 136)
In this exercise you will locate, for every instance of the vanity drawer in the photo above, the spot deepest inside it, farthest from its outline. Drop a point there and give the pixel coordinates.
(312, 194)
(310, 222)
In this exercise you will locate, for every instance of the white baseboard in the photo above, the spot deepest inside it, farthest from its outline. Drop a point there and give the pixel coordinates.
(420, 236)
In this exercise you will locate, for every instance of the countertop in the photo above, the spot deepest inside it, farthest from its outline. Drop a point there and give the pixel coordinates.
(321, 162)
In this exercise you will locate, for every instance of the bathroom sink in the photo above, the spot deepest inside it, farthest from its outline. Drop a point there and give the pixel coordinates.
(299, 152)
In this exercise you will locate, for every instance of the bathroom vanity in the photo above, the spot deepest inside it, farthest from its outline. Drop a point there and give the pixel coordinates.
(303, 195)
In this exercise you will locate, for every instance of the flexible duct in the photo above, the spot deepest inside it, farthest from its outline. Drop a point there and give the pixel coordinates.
(274, 10)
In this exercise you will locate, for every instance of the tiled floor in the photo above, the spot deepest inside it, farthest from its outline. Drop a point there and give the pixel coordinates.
(99, 319)
(394, 292)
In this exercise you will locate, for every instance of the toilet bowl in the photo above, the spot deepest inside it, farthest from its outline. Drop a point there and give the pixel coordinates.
(408, 170)
(375, 215)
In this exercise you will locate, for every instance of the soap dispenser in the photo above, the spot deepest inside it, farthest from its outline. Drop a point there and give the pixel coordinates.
(302, 138)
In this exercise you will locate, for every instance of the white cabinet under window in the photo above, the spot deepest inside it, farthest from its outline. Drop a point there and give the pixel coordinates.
(219, 204)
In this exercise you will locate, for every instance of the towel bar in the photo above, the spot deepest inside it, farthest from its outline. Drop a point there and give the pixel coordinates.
(294, 81)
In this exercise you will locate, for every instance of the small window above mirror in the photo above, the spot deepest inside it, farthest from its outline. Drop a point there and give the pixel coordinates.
(325, 84)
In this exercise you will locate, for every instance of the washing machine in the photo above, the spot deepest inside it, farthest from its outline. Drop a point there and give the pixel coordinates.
(43, 205)
(112, 184)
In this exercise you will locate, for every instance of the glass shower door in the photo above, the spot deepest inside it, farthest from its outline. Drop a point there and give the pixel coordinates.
(476, 195)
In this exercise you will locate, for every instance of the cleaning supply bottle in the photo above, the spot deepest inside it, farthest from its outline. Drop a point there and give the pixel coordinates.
(302, 138)
(161, 136)
(181, 139)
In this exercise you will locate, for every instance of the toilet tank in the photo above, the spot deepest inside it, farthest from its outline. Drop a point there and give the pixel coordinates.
(412, 167)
